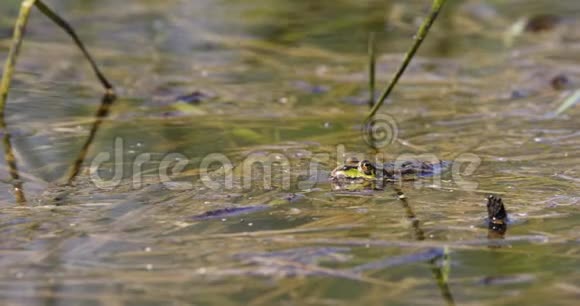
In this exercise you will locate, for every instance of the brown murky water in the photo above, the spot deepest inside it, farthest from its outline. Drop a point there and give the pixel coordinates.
(213, 84)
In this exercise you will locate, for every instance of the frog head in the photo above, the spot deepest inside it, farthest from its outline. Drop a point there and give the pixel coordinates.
(355, 170)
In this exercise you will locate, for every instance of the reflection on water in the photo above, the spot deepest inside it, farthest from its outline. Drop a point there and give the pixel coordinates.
(11, 163)
(103, 111)
(285, 81)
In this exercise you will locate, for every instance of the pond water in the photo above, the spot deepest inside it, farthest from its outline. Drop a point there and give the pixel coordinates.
(167, 208)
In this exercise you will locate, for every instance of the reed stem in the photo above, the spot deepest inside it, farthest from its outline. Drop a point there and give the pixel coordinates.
(419, 37)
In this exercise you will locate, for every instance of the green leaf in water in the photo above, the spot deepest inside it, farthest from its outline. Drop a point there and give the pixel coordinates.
(446, 269)
(569, 102)
(188, 109)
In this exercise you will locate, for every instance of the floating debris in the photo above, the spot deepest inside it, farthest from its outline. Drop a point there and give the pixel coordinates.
(542, 23)
(568, 102)
(533, 24)
(507, 279)
(229, 212)
(194, 97)
(560, 82)
(497, 217)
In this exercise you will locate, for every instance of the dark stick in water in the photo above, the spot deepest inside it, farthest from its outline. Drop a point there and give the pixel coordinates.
(441, 273)
(372, 65)
(102, 112)
(11, 162)
(497, 217)
(419, 233)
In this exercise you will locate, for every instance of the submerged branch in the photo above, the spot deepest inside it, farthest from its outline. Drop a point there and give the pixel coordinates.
(16, 180)
(102, 112)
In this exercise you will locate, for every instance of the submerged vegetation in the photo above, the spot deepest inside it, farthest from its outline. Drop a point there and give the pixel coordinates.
(5, 82)
(20, 28)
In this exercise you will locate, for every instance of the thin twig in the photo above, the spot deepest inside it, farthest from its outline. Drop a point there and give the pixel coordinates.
(5, 83)
(19, 30)
(10, 158)
(16, 44)
(70, 31)
(102, 112)
(372, 65)
(419, 37)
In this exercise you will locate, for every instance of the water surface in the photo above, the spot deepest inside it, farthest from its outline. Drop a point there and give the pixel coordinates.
(287, 81)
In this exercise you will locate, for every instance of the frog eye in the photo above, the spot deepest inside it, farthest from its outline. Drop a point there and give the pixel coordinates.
(366, 167)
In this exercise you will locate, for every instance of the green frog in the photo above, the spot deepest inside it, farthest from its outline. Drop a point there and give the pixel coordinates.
(364, 170)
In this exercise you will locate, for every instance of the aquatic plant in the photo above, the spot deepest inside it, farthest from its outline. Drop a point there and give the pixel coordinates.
(18, 36)
(419, 37)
